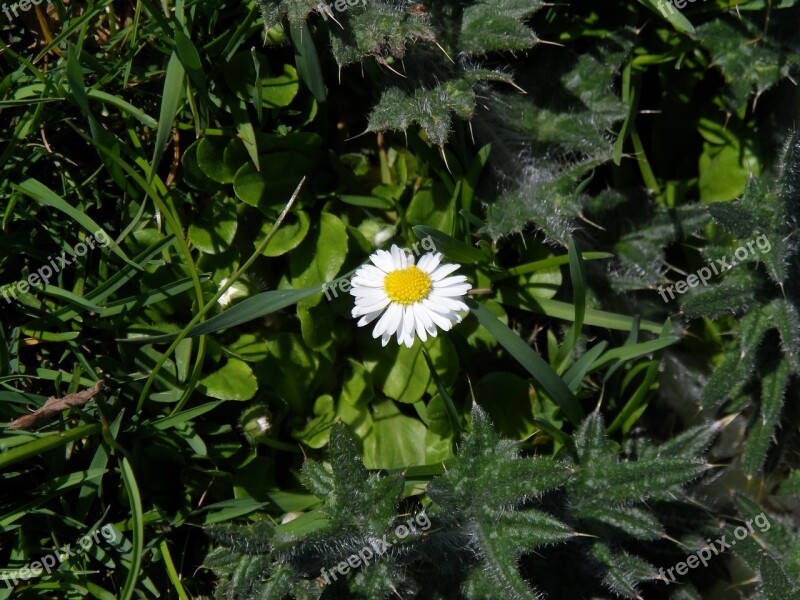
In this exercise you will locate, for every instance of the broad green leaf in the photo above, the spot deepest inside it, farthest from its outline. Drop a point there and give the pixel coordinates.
(321, 255)
(396, 441)
(507, 400)
(291, 234)
(279, 91)
(273, 185)
(317, 431)
(234, 381)
(220, 158)
(216, 226)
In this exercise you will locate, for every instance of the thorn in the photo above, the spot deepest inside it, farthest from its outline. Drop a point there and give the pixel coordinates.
(445, 52)
(337, 22)
(517, 87)
(365, 132)
(546, 43)
(471, 133)
(444, 158)
(388, 66)
(585, 220)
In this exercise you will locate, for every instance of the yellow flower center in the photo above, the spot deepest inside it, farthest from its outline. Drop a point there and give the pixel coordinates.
(408, 285)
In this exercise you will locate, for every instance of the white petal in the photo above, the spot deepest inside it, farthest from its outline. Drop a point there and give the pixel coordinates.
(363, 310)
(409, 323)
(397, 257)
(401, 326)
(370, 272)
(368, 292)
(450, 291)
(430, 261)
(433, 306)
(419, 322)
(369, 277)
(367, 319)
(424, 316)
(441, 321)
(444, 271)
(389, 321)
(383, 260)
(448, 303)
(409, 341)
(448, 281)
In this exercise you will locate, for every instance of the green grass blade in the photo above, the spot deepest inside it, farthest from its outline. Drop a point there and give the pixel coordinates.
(541, 372)
(451, 248)
(673, 15)
(43, 195)
(173, 89)
(129, 479)
(575, 374)
(46, 444)
(452, 413)
(594, 317)
(247, 310)
(110, 286)
(307, 60)
(186, 415)
(553, 261)
(633, 351)
(154, 296)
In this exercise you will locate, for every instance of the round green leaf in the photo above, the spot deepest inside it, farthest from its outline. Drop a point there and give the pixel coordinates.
(273, 185)
(193, 173)
(402, 373)
(317, 431)
(215, 228)
(221, 158)
(279, 91)
(396, 441)
(291, 233)
(357, 385)
(318, 259)
(234, 381)
(507, 400)
(432, 206)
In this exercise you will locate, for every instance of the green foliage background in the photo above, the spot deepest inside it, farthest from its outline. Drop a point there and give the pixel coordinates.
(573, 437)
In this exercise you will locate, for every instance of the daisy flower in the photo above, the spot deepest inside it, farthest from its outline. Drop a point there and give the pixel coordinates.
(408, 298)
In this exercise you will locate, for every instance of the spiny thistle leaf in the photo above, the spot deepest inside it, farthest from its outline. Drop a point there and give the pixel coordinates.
(748, 67)
(773, 387)
(624, 572)
(493, 25)
(493, 511)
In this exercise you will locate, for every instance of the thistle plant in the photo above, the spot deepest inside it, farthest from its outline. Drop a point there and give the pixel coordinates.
(500, 521)
(763, 298)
